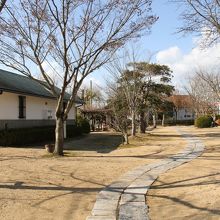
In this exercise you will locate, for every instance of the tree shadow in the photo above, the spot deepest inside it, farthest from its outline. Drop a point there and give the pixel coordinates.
(177, 184)
(187, 204)
(202, 181)
(209, 135)
(97, 141)
(101, 142)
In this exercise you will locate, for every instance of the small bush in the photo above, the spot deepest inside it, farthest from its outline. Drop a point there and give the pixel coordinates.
(203, 122)
(84, 125)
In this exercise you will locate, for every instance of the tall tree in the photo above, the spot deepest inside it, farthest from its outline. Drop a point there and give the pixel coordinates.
(201, 17)
(130, 83)
(76, 37)
(155, 88)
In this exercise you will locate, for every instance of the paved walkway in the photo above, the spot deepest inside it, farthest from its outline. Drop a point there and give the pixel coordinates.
(125, 198)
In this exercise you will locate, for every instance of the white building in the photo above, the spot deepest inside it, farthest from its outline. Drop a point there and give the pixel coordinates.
(183, 109)
(26, 103)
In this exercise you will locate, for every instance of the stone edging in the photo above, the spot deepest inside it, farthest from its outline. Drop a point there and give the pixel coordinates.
(125, 198)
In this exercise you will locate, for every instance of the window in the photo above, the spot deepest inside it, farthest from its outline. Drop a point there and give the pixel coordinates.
(22, 106)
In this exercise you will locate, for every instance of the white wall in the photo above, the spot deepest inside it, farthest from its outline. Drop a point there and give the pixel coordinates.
(36, 108)
(8, 106)
(185, 114)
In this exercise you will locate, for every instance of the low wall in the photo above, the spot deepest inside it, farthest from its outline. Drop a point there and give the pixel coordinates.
(28, 123)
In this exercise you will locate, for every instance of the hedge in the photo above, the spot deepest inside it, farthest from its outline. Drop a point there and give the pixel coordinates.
(204, 122)
(24, 136)
(83, 123)
(179, 122)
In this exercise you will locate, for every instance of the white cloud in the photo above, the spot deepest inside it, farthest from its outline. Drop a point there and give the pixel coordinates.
(171, 55)
(184, 65)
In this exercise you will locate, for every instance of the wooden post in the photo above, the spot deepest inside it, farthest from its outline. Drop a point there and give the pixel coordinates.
(64, 130)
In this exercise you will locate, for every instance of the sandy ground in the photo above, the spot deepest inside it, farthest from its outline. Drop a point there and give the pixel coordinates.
(33, 186)
(191, 191)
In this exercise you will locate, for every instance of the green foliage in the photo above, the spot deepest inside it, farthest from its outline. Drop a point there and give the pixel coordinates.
(203, 122)
(24, 136)
(83, 123)
(217, 117)
(154, 69)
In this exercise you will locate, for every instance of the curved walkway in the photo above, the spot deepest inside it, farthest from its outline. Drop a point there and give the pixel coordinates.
(125, 198)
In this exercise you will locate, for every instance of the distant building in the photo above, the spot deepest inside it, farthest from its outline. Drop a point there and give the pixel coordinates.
(27, 103)
(183, 109)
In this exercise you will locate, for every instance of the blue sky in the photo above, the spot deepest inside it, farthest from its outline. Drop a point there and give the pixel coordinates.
(163, 32)
(181, 54)
(162, 35)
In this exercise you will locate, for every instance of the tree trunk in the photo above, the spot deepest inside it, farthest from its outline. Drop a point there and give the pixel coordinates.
(59, 135)
(154, 121)
(133, 124)
(125, 135)
(143, 123)
(163, 120)
(147, 118)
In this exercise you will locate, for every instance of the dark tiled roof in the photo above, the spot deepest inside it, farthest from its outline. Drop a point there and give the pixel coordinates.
(16, 83)
(181, 101)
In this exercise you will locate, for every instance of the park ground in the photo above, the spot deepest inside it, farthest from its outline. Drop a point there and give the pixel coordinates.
(34, 185)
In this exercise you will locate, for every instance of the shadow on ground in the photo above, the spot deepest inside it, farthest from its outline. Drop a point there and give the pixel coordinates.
(101, 142)
(203, 180)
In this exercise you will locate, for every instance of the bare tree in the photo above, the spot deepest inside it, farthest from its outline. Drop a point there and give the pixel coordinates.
(2, 4)
(203, 96)
(202, 17)
(118, 105)
(77, 36)
(212, 79)
(130, 83)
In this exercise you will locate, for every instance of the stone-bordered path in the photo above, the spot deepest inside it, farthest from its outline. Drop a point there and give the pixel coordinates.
(125, 198)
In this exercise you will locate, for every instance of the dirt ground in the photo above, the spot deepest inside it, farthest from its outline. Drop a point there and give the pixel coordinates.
(35, 186)
(191, 191)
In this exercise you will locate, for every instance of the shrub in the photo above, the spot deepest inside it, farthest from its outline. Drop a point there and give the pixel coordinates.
(203, 122)
(83, 124)
(73, 131)
(24, 136)
(217, 117)
(179, 122)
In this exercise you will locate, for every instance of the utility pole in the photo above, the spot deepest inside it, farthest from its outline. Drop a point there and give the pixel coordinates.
(91, 93)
